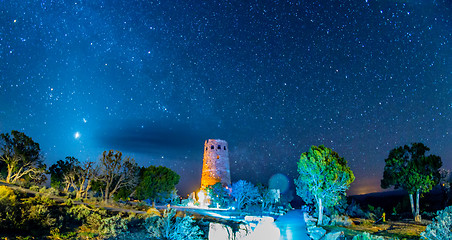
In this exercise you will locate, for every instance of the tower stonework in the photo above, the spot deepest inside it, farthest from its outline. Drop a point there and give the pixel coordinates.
(215, 167)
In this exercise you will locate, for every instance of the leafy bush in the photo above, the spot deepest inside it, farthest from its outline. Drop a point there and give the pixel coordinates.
(35, 188)
(7, 196)
(397, 209)
(441, 227)
(31, 215)
(113, 226)
(141, 206)
(39, 199)
(91, 217)
(153, 212)
(99, 221)
(354, 210)
(337, 220)
(9, 213)
(40, 215)
(49, 191)
(171, 227)
(367, 236)
(338, 209)
(57, 235)
(374, 213)
(428, 215)
(69, 202)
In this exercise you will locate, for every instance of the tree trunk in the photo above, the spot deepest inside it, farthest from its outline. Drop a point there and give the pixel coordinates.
(412, 205)
(107, 192)
(417, 217)
(320, 212)
(88, 187)
(10, 173)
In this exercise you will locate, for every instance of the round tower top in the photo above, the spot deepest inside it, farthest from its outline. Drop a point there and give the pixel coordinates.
(216, 140)
(216, 144)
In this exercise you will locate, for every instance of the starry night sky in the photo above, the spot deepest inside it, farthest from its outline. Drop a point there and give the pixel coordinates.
(154, 79)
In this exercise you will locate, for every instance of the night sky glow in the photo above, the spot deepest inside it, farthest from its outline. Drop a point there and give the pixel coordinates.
(154, 79)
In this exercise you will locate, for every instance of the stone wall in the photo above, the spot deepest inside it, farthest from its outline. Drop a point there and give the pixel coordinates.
(215, 166)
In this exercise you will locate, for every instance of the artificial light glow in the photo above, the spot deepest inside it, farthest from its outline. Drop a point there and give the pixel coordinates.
(201, 197)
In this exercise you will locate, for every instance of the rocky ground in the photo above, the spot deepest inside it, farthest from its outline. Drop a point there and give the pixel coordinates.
(405, 229)
(401, 229)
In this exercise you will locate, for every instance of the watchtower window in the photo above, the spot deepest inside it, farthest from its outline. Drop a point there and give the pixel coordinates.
(206, 148)
(212, 147)
(224, 147)
(219, 146)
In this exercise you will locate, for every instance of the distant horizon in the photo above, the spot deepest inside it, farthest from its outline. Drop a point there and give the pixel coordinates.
(189, 184)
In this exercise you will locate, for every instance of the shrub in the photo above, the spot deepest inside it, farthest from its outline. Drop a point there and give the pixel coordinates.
(36, 213)
(7, 196)
(367, 236)
(153, 212)
(141, 206)
(397, 209)
(35, 188)
(113, 226)
(428, 215)
(171, 227)
(57, 235)
(52, 191)
(39, 199)
(337, 220)
(354, 210)
(98, 220)
(40, 215)
(69, 202)
(92, 217)
(441, 227)
(374, 213)
(339, 208)
(9, 211)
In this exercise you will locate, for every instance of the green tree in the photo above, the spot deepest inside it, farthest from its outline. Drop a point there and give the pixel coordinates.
(268, 197)
(324, 178)
(81, 177)
(245, 193)
(59, 171)
(219, 195)
(22, 157)
(73, 173)
(155, 182)
(409, 168)
(116, 172)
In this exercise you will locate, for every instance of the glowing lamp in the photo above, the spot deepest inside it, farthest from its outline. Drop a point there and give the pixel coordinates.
(201, 197)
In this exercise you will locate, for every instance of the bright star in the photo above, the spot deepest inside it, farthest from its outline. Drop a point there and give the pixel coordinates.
(77, 135)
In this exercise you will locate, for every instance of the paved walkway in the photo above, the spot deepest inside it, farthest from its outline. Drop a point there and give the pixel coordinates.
(292, 226)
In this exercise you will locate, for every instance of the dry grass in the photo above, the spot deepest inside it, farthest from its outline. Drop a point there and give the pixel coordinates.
(405, 229)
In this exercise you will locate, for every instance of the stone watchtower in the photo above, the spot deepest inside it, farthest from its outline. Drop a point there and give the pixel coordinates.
(215, 167)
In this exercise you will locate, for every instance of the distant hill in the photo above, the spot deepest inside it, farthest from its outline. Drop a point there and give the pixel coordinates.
(430, 202)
